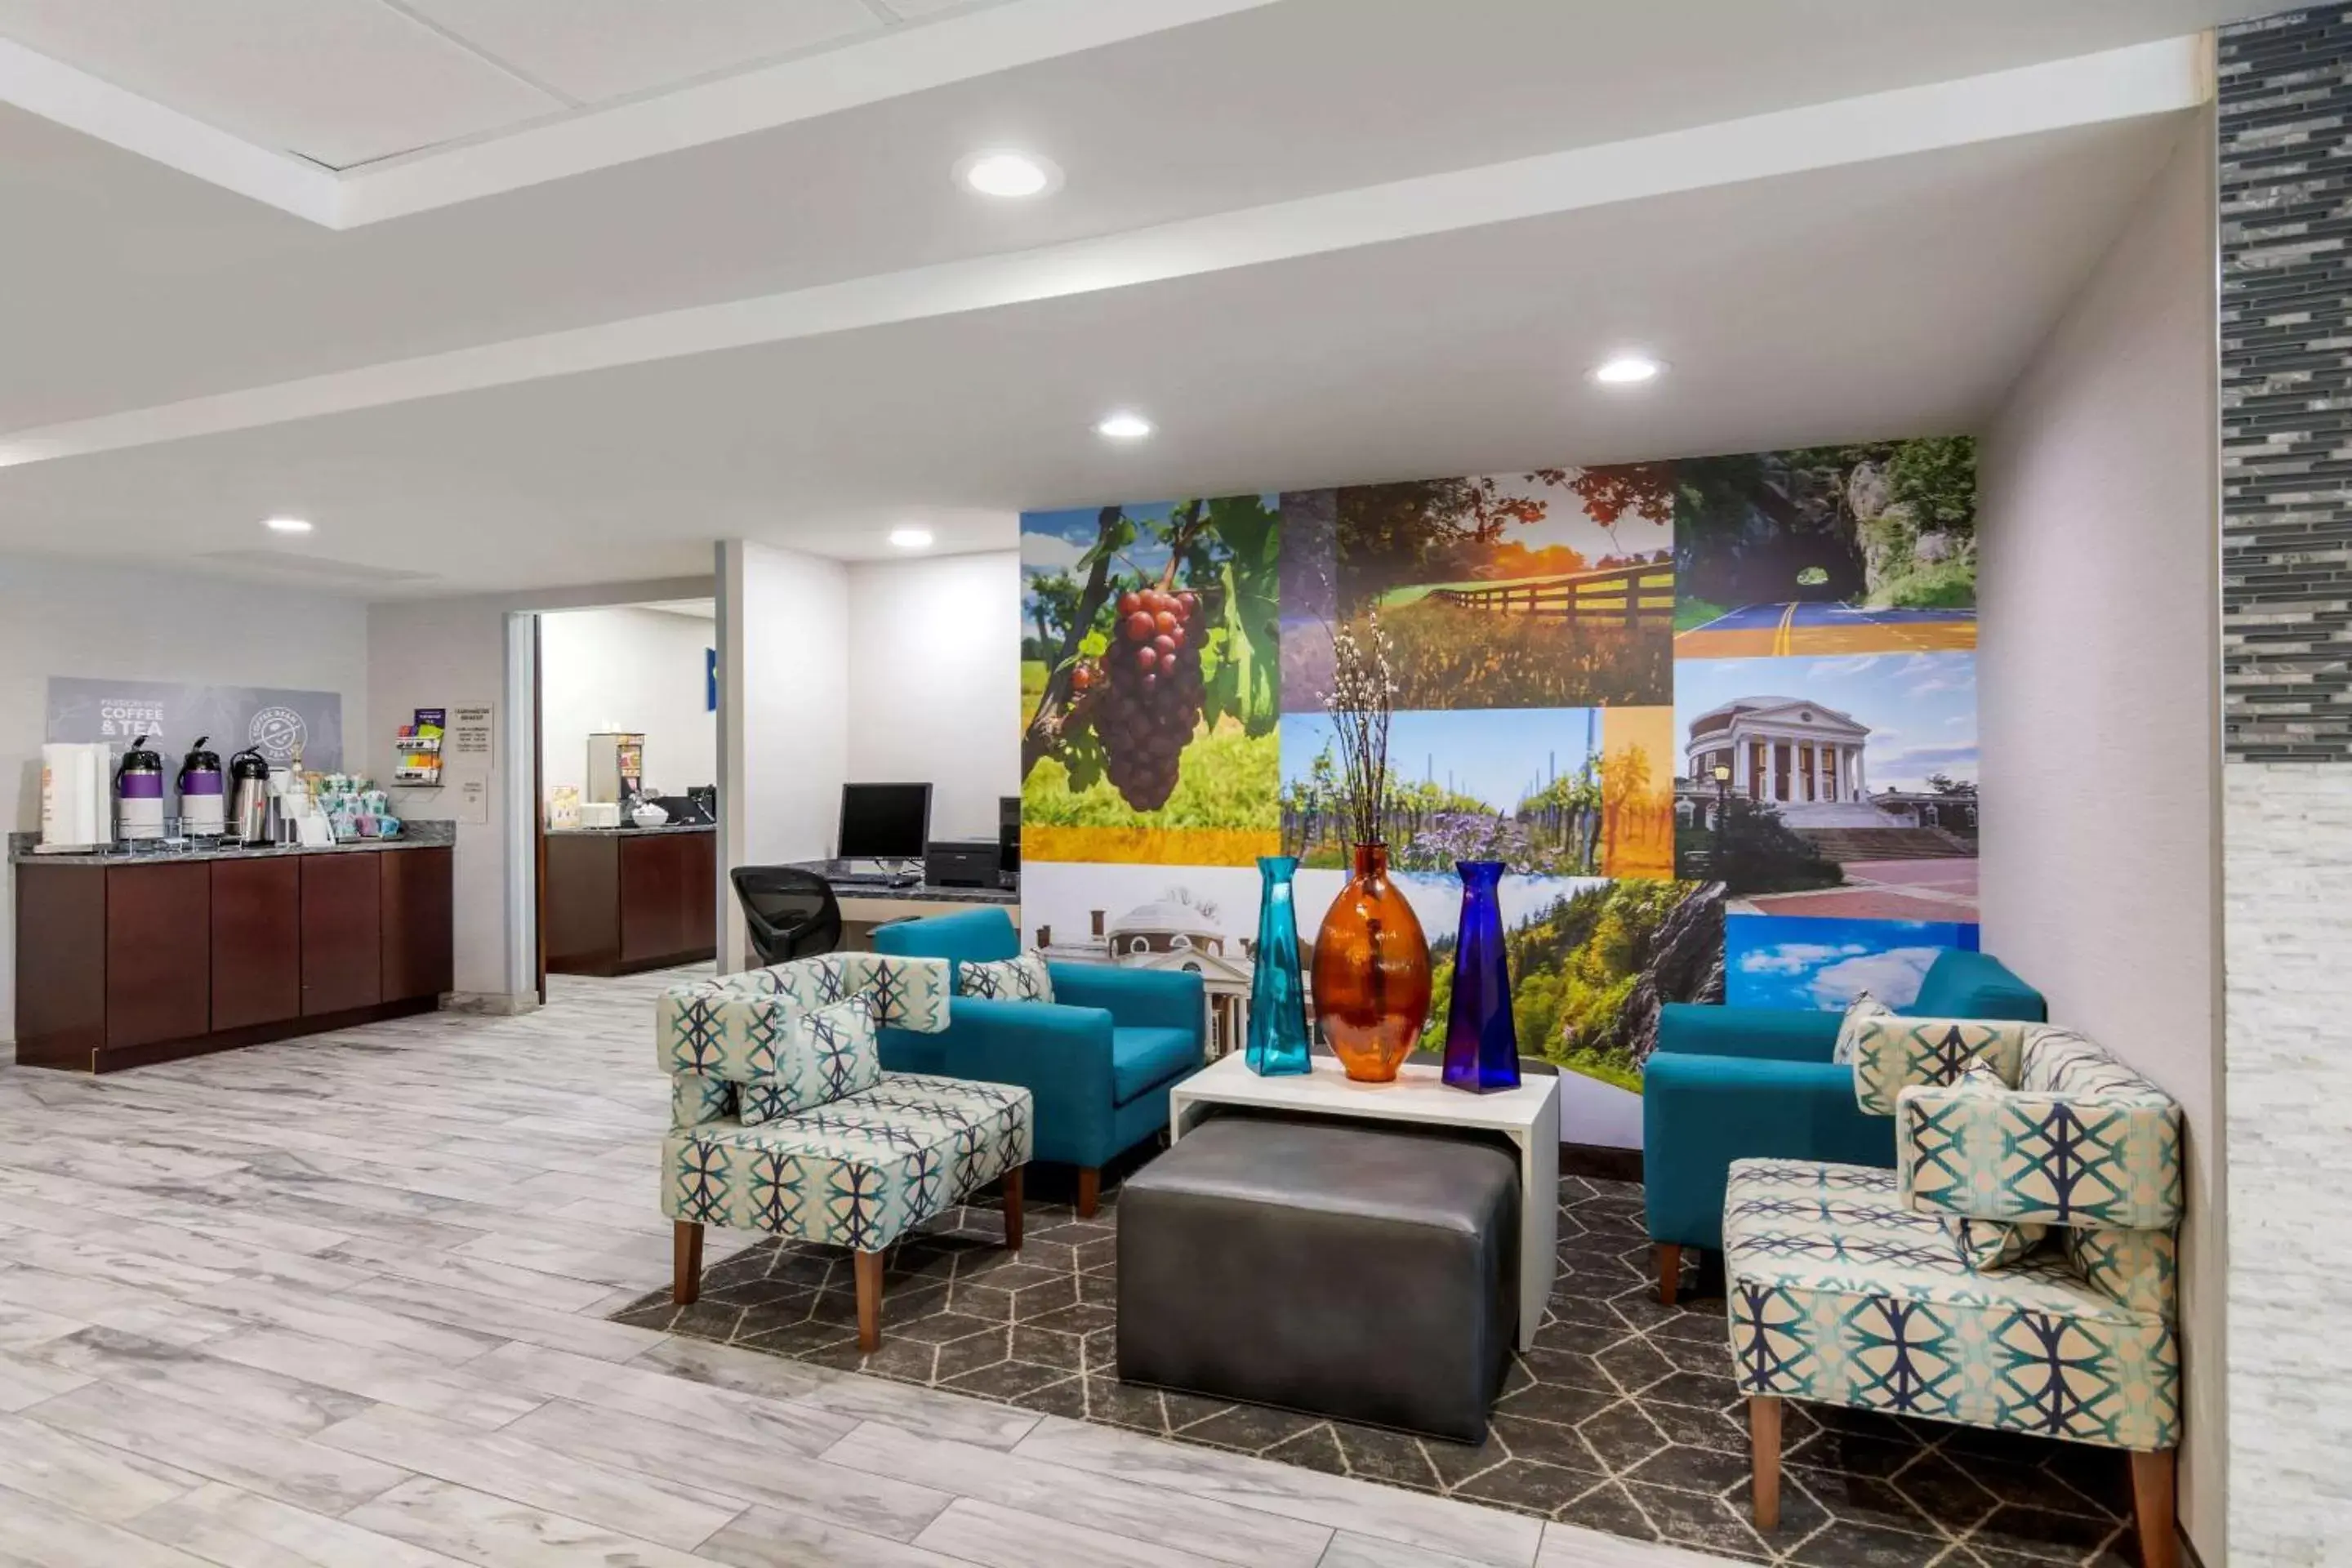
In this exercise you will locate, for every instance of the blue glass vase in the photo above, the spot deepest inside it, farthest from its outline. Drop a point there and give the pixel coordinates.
(1277, 1014)
(1482, 1044)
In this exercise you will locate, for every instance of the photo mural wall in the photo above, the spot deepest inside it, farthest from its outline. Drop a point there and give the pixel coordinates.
(1717, 715)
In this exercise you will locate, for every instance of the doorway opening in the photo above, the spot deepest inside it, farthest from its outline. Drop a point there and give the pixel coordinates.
(625, 780)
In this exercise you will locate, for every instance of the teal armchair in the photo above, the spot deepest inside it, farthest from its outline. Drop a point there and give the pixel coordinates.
(1099, 1060)
(1748, 1083)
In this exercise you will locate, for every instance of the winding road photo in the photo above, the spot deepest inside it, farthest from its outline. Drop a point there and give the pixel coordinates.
(1769, 631)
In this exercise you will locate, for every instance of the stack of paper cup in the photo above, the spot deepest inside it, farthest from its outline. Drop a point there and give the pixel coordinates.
(76, 810)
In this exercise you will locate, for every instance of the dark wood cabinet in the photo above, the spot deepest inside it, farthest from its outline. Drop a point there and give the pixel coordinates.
(60, 964)
(653, 898)
(158, 983)
(417, 916)
(618, 901)
(580, 908)
(122, 963)
(700, 918)
(342, 932)
(256, 942)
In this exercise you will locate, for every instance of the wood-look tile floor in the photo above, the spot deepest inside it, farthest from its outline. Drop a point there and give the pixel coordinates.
(340, 1303)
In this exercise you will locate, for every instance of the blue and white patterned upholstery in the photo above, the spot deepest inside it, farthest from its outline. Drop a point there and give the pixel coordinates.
(827, 1055)
(732, 1027)
(1921, 1290)
(781, 1120)
(1840, 1294)
(1893, 1053)
(1021, 978)
(860, 1171)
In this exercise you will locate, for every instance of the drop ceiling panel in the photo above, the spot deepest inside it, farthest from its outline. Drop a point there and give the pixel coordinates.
(341, 81)
(593, 50)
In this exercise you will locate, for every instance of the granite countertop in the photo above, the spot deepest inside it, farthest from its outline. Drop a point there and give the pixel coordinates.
(925, 893)
(412, 836)
(628, 830)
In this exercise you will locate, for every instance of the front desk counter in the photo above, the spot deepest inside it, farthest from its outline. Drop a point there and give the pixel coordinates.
(621, 899)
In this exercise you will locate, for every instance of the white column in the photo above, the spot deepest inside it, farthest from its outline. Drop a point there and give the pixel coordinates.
(783, 712)
(1739, 761)
(1831, 761)
(1861, 777)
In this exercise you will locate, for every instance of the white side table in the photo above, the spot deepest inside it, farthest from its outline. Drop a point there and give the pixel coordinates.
(1528, 1116)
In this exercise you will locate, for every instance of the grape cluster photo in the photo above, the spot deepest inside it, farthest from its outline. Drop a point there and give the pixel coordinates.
(1148, 703)
(1150, 650)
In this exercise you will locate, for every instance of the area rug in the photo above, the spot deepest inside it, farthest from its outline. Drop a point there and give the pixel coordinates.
(1624, 1418)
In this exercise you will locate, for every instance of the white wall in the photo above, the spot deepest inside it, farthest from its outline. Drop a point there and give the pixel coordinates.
(627, 670)
(784, 677)
(439, 653)
(2097, 681)
(62, 618)
(935, 682)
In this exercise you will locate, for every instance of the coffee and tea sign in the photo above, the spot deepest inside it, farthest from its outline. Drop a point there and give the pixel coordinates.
(278, 723)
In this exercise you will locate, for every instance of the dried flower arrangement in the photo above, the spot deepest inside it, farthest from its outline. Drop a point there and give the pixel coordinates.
(1363, 696)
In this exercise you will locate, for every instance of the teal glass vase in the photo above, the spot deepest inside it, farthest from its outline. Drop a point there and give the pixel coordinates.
(1277, 1013)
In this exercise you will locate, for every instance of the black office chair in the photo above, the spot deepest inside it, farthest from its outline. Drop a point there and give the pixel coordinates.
(791, 913)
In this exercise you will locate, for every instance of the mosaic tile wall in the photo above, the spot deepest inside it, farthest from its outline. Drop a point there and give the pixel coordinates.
(2287, 386)
(2286, 159)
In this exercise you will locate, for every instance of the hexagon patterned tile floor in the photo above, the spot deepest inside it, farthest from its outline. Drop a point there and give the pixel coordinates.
(1624, 1418)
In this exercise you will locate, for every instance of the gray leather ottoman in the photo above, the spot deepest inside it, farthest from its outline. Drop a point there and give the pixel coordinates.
(1352, 1271)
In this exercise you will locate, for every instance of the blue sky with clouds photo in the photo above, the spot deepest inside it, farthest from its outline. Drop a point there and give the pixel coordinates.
(1921, 708)
(1779, 961)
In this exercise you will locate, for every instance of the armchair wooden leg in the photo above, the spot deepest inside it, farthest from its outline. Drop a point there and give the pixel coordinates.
(1670, 1270)
(2152, 1501)
(1764, 1454)
(870, 1301)
(686, 1262)
(1013, 1209)
(1090, 1190)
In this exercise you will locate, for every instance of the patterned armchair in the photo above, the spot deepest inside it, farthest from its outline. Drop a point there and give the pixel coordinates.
(2016, 1269)
(781, 1118)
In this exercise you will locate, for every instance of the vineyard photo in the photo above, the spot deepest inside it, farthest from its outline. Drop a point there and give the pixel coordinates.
(1547, 589)
(1150, 662)
(1549, 793)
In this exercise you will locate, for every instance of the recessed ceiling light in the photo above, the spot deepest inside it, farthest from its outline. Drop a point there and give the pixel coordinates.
(911, 538)
(1625, 370)
(287, 525)
(1009, 174)
(1124, 426)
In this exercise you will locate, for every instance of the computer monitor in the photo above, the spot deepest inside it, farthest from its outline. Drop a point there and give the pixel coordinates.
(885, 821)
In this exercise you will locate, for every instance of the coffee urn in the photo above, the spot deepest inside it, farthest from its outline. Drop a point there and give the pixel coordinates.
(248, 803)
(200, 792)
(139, 794)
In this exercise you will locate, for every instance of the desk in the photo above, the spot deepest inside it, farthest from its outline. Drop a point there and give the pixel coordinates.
(863, 908)
(1528, 1116)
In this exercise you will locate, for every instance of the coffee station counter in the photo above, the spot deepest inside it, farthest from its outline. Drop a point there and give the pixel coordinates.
(127, 959)
(417, 835)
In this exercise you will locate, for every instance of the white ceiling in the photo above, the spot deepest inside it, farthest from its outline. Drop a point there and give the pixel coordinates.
(345, 82)
(1876, 300)
(1322, 240)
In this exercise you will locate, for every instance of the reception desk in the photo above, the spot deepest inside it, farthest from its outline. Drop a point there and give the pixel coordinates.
(621, 899)
(122, 961)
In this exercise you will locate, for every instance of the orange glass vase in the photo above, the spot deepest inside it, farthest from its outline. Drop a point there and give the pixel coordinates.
(1371, 972)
